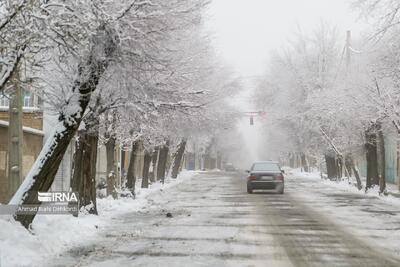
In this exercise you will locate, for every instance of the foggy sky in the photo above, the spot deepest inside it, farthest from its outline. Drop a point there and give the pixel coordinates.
(246, 31)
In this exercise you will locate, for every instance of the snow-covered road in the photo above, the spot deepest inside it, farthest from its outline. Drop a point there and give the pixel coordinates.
(216, 223)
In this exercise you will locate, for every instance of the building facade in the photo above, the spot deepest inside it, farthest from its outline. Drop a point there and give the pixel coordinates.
(32, 119)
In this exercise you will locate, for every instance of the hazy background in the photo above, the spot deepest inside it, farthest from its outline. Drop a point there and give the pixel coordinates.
(245, 32)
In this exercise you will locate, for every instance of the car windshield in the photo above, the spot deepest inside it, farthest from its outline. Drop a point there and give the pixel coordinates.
(266, 166)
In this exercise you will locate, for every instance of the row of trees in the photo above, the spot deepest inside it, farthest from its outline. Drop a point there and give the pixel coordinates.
(331, 101)
(113, 72)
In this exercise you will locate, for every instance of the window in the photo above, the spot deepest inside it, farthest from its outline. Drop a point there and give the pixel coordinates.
(266, 166)
(4, 101)
(27, 101)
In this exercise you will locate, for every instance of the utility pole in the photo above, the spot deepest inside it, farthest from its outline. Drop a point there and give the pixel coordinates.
(15, 138)
(348, 50)
(398, 158)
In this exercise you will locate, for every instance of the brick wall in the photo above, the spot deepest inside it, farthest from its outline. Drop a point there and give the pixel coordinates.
(32, 145)
(33, 119)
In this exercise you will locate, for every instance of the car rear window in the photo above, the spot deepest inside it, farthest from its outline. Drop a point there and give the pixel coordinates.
(266, 166)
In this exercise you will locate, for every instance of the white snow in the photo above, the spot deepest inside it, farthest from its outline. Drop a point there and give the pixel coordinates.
(348, 185)
(369, 216)
(24, 128)
(208, 227)
(205, 223)
(53, 234)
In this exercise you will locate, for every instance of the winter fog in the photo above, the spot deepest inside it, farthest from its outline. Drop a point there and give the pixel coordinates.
(199, 133)
(248, 33)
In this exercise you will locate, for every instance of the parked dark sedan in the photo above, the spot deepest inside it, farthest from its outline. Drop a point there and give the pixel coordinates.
(266, 175)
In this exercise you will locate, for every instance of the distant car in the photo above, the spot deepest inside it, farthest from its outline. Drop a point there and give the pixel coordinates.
(266, 175)
(229, 167)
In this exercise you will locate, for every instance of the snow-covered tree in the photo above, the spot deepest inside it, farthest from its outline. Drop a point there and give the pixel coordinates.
(95, 37)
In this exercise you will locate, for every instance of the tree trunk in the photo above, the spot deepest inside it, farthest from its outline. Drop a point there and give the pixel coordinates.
(298, 161)
(154, 159)
(291, 160)
(371, 157)
(123, 155)
(178, 159)
(207, 161)
(146, 167)
(356, 173)
(381, 161)
(304, 162)
(219, 160)
(331, 167)
(111, 179)
(348, 165)
(41, 176)
(339, 166)
(162, 162)
(131, 175)
(84, 170)
(168, 163)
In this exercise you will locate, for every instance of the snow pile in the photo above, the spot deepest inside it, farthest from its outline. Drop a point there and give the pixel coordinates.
(344, 185)
(349, 186)
(369, 216)
(298, 173)
(53, 234)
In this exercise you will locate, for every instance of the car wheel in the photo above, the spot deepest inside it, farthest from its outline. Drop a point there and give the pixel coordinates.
(249, 190)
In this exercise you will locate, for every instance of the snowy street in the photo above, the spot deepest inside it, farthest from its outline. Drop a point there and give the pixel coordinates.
(214, 222)
(200, 133)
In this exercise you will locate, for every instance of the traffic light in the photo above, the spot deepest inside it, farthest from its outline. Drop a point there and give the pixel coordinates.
(251, 120)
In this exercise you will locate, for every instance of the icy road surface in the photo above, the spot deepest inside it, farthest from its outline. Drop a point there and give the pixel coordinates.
(216, 223)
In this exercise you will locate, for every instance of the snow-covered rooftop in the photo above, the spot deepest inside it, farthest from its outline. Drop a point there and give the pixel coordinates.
(24, 128)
